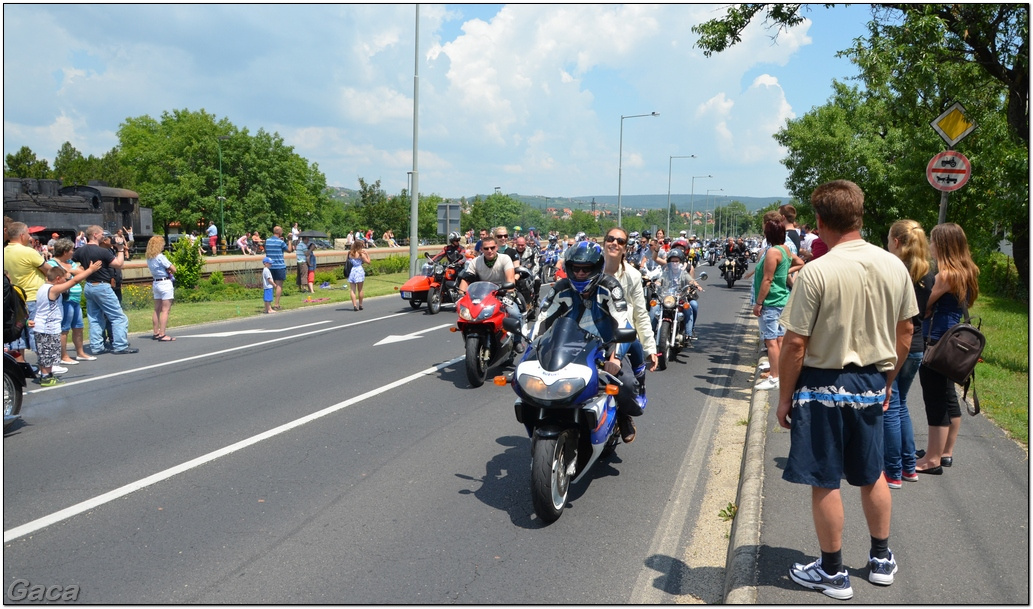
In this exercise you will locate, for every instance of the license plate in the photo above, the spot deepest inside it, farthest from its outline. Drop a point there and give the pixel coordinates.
(407, 295)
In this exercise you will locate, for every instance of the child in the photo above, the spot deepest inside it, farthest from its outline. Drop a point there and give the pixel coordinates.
(311, 257)
(49, 314)
(267, 284)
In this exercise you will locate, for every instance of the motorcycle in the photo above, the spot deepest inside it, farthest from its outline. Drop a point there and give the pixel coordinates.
(670, 336)
(732, 269)
(481, 313)
(16, 375)
(712, 255)
(436, 284)
(548, 265)
(567, 403)
(527, 287)
(651, 272)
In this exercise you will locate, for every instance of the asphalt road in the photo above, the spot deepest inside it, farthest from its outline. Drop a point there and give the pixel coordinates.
(299, 458)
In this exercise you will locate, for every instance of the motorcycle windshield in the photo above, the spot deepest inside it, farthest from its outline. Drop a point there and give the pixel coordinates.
(561, 344)
(479, 290)
(670, 288)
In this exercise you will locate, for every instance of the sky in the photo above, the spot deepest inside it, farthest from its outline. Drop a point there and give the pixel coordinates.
(524, 97)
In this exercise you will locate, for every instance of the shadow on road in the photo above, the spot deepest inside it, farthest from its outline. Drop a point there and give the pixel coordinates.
(679, 579)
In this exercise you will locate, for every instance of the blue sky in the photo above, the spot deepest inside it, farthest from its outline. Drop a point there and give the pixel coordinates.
(524, 97)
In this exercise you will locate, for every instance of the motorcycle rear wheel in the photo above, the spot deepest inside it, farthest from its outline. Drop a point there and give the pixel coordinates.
(663, 344)
(476, 368)
(433, 300)
(550, 476)
(12, 396)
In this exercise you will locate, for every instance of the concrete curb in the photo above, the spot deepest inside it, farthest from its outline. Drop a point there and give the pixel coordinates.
(744, 548)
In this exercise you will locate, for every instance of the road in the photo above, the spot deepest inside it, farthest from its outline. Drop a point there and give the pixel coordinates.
(301, 458)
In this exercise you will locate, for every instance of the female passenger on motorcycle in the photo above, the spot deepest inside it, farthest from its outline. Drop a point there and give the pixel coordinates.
(676, 273)
(615, 245)
(596, 302)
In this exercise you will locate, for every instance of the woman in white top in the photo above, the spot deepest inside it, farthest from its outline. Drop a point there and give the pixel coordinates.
(162, 271)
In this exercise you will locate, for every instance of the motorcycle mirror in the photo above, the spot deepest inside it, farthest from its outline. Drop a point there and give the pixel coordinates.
(511, 325)
(703, 276)
(626, 335)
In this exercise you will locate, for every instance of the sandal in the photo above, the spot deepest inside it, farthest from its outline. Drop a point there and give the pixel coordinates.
(165, 338)
(155, 336)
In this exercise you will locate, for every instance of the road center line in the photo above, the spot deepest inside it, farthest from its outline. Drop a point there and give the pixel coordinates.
(102, 377)
(89, 504)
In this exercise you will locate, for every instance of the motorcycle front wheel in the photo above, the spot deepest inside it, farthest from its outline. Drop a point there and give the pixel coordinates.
(433, 300)
(476, 368)
(550, 476)
(663, 344)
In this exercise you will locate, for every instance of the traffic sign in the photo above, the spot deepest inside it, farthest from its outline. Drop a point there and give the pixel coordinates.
(948, 171)
(952, 125)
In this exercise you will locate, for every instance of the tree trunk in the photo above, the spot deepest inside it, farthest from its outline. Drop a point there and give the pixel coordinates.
(1020, 251)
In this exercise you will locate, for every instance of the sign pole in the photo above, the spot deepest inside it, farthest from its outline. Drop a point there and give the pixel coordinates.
(943, 207)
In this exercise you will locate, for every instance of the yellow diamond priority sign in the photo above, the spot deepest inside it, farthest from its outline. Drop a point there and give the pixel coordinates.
(952, 125)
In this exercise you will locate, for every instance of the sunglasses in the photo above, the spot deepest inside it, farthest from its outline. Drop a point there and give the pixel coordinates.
(580, 270)
(612, 238)
(502, 236)
(489, 249)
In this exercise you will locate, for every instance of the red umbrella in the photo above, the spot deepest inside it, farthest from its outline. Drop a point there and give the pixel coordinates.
(37, 229)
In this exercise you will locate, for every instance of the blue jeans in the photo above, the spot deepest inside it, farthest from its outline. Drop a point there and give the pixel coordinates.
(102, 305)
(690, 321)
(899, 453)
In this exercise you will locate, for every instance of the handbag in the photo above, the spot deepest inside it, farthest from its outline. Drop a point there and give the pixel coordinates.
(956, 354)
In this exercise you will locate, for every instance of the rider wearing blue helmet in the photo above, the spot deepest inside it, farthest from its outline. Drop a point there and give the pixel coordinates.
(596, 301)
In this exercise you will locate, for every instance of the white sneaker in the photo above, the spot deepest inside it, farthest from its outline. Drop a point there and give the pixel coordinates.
(768, 383)
(58, 369)
(764, 366)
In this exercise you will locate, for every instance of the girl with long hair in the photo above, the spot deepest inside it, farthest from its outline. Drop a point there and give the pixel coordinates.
(906, 241)
(357, 256)
(956, 282)
(162, 289)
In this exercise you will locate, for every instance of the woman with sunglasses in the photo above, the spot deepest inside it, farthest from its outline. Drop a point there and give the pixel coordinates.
(615, 246)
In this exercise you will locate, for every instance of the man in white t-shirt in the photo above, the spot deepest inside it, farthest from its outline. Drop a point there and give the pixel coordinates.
(496, 268)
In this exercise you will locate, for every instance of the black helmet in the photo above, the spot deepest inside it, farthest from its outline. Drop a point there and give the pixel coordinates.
(676, 252)
(453, 236)
(580, 254)
(647, 234)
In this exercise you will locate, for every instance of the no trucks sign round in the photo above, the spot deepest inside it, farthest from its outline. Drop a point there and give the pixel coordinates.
(948, 171)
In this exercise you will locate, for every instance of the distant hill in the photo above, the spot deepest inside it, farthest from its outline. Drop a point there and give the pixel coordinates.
(682, 201)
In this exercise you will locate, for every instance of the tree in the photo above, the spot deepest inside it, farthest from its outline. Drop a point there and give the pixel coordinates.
(24, 164)
(915, 62)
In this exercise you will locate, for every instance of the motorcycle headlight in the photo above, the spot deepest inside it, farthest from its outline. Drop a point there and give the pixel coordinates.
(670, 301)
(464, 314)
(536, 388)
(438, 269)
(486, 312)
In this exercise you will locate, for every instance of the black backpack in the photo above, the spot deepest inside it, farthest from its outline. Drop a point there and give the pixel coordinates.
(16, 313)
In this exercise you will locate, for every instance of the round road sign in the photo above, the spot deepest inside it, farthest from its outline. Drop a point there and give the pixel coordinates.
(948, 171)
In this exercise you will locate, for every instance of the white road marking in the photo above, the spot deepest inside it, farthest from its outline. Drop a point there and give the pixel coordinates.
(397, 338)
(209, 354)
(255, 331)
(89, 504)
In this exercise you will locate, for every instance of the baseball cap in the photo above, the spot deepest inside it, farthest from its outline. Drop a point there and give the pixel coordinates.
(267, 260)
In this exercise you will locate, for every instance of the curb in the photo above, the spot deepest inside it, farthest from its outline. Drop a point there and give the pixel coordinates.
(744, 548)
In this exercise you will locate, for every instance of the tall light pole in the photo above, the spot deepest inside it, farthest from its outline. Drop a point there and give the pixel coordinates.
(222, 194)
(692, 197)
(414, 194)
(669, 161)
(715, 201)
(620, 163)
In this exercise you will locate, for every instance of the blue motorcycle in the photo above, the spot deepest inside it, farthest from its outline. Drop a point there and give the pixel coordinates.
(547, 265)
(567, 402)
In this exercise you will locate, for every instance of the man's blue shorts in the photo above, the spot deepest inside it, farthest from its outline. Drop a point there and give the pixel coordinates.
(836, 427)
(278, 274)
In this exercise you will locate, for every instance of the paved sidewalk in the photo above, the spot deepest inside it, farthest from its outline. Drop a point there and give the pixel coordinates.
(959, 538)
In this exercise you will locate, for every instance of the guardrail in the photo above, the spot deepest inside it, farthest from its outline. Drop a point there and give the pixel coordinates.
(136, 271)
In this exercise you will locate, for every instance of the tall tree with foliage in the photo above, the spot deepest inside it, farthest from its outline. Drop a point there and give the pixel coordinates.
(24, 164)
(915, 62)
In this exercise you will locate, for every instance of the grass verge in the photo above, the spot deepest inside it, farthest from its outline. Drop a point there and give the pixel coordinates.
(1003, 376)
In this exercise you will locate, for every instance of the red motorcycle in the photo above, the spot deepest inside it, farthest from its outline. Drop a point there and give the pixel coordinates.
(481, 312)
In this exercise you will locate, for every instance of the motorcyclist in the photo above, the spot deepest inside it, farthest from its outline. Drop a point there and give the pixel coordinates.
(527, 258)
(596, 301)
(454, 252)
(645, 346)
(676, 273)
(496, 268)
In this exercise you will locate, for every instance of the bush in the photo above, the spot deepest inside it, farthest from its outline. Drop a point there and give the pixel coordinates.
(216, 278)
(386, 266)
(136, 297)
(321, 276)
(209, 292)
(188, 262)
(998, 276)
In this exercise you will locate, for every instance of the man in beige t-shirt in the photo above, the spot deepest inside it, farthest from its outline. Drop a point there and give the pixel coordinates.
(848, 328)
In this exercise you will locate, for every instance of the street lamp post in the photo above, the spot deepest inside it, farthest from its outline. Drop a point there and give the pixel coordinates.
(715, 201)
(222, 195)
(620, 163)
(669, 161)
(692, 197)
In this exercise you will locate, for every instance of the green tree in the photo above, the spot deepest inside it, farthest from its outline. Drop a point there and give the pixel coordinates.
(186, 257)
(71, 167)
(495, 210)
(24, 164)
